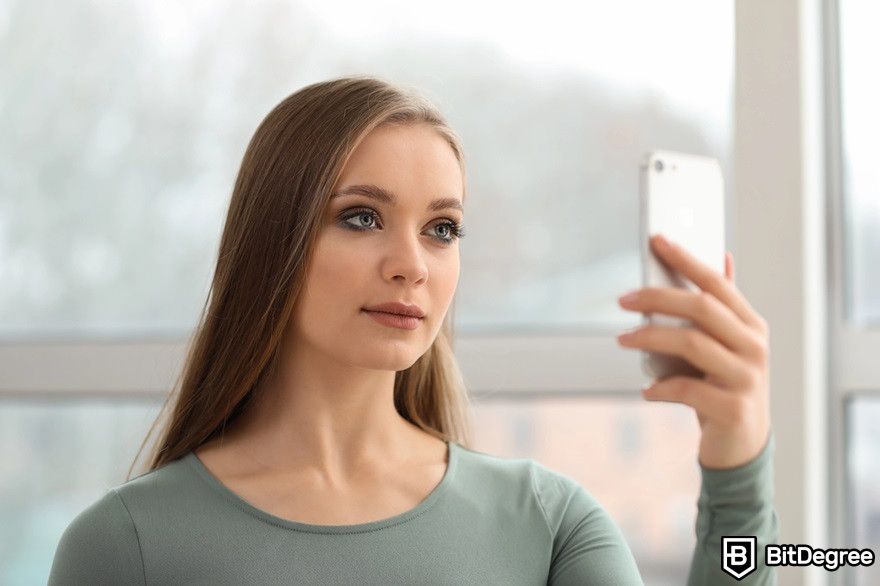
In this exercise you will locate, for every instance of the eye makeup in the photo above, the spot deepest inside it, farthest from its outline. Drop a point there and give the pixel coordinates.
(454, 229)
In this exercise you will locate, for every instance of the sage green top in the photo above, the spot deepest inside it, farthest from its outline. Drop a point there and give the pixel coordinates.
(490, 520)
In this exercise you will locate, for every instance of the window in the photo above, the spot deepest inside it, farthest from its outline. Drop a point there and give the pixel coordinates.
(855, 187)
(120, 193)
(863, 415)
(860, 121)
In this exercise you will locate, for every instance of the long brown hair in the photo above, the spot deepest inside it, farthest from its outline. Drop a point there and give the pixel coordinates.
(283, 187)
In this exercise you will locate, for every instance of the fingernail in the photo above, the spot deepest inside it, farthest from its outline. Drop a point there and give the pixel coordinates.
(627, 335)
(629, 297)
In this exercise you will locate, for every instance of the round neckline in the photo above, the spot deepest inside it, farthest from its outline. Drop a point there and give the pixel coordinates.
(199, 467)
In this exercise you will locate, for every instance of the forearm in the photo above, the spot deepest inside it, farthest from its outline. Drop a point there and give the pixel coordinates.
(737, 502)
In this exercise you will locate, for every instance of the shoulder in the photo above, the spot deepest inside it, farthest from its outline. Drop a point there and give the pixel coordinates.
(561, 495)
(100, 545)
(557, 494)
(156, 485)
(494, 472)
(587, 546)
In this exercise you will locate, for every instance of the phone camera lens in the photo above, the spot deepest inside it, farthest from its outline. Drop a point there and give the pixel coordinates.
(658, 165)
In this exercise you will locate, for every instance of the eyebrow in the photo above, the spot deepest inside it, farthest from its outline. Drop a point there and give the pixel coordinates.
(378, 193)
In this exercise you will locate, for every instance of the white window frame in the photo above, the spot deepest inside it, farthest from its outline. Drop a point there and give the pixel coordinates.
(782, 246)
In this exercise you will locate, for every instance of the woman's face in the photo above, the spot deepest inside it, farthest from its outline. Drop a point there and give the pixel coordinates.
(370, 252)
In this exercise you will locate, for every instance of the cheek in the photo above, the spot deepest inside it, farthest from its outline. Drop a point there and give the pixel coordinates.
(334, 277)
(451, 276)
(337, 259)
(445, 276)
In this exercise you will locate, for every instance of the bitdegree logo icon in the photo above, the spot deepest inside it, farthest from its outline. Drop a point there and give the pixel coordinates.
(738, 555)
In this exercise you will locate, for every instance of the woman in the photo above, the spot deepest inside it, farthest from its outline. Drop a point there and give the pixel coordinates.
(318, 437)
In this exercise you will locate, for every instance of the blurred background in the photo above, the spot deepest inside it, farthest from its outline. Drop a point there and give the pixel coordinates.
(124, 124)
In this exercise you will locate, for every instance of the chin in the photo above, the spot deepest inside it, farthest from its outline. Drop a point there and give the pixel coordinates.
(396, 359)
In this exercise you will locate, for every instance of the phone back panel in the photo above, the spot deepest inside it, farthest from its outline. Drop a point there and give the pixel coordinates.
(685, 202)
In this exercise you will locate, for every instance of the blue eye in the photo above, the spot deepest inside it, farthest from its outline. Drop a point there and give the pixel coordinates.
(454, 229)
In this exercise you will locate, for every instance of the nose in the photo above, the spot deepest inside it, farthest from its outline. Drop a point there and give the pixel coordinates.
(405, 259)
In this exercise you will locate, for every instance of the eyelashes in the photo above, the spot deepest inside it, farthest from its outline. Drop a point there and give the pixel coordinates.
(455, 229)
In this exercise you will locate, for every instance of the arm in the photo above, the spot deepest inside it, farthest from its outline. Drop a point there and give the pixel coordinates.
(100, 546)
(738, 502)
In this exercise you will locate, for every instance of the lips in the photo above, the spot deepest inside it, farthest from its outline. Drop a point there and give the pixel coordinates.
(398, 308)
(394, 320)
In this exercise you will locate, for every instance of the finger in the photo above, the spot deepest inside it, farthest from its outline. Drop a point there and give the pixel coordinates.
(707, 400)
(707, 279)
(694, 346)
(705, 310)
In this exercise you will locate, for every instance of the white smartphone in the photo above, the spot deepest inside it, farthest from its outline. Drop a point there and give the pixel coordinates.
(682, 198)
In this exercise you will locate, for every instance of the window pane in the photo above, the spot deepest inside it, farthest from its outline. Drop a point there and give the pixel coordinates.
(613, 448)
(860, 95)
(112, 198)
(58, 458)
(864, 481)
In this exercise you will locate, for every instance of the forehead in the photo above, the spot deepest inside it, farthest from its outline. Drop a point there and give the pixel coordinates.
(405, 159)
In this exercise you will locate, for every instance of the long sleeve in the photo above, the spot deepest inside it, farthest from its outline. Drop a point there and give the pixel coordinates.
(100, 546)
(735, 502)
